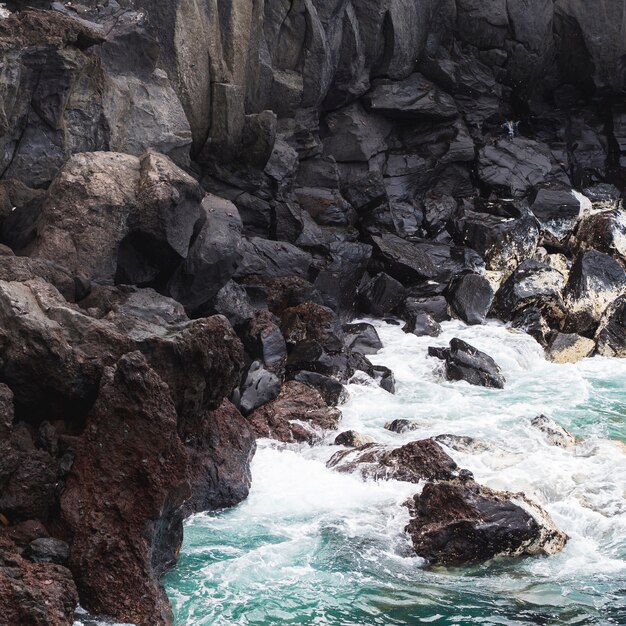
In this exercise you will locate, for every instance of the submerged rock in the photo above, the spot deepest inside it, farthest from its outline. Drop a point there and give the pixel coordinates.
(421, 324)
(415, 461)
(464, 362)
(352, 439)
(402, 426)
(555, 433)
(463, 522)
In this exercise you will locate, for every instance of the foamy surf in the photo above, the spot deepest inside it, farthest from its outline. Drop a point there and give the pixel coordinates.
(311, 546)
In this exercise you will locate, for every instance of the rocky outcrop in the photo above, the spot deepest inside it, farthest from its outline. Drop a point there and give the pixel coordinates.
(120, 542)
(462, 522)
(286, 167)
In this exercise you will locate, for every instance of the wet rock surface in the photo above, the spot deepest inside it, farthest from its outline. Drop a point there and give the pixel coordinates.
(462, 522)
(202, 198)
(464, 362)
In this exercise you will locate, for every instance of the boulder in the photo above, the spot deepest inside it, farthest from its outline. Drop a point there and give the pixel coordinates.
(464, 362)
(352, 439)
(129, 454)
(338, 280)
(380, 295)
(272, 259)
(502, 242)
(532, 284)
(514, 166)
(259, 387)
(212, 259)
(412, 261)
(54, 353)
(233, 302)
(298, 414)
(421, 324)
(604, 231)
(595, 281)
(385, 378)
(455, 522)
(532, 322)
(136, 217)
(330, 389)
(569, 348)
(558, 212)
(362, 338)
(48, 550)
(611, 335)
(264, 341)
(554, 433)
(402, 426)
(413, 462)
(470, 297)
(436, 306)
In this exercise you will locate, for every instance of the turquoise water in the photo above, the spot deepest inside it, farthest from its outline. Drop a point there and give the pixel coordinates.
(310, 546)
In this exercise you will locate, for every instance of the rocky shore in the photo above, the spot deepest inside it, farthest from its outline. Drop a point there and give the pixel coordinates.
(197, 199)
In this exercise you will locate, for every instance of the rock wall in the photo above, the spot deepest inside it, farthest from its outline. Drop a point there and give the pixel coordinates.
(196, 195)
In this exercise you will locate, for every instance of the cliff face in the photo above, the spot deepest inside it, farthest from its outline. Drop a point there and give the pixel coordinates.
(196, 194)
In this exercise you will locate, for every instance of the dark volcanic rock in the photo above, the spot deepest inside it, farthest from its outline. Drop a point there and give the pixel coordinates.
(462, 522)
(362, 338)
(569, 347)
(48, 550)
(413, 97)
(385, 378)
(532, 284)
(34, 594)
(380, 295)
(411, 261)
(558, 212)
(531, 321)
(220, 445)
(555, 433)
(415, 461)
(604, 231)
(213, 257)
(595, 281)
(259, 387)
(502, 241)
(421, 324)
(135, 216)
(57, 369)
(331, 389)
(298, 414)
(464, 362)
(513, 166)
(471, 297)
(401, 426)
(129, 454)
(611, 335)
(436, 306)
(352, 439)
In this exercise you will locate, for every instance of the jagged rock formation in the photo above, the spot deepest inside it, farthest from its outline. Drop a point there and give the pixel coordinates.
(201, 195)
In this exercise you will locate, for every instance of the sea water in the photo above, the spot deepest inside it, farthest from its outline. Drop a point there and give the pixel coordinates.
(312, 546)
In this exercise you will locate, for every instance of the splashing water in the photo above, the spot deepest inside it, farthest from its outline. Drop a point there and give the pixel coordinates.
(311, 546)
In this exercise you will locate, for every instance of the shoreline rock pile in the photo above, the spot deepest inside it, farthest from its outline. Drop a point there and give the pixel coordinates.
(197, 199)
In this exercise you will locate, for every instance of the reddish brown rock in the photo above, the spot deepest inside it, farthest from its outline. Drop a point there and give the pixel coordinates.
(298, 414)
(123, 496)
(34, 594)
(415, 461)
